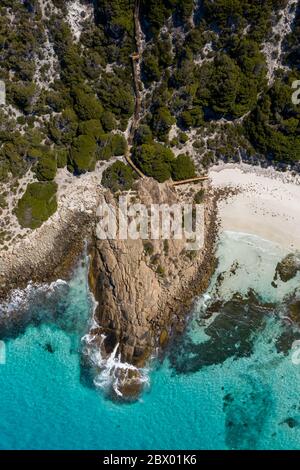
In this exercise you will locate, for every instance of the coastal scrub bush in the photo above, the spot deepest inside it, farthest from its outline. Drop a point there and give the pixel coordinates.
(83, 154)
(108, 121)
(46, 166)
(154, 160)
(22, 95)
(273, 127)
(62, 157)
(162, 121)
(116, 96)
(143, 135)
(12, 158)
(183, 168)
(63, 128)
(37, 204)
(92, 128)
(110, 145)
(118, 145)
(160, 270)
(118, 177)
(87, 106)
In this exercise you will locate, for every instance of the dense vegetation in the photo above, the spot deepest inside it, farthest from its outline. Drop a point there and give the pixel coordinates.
(37, 204)
(204, 79)
(197, 89)
(118, 177)
(82, 106)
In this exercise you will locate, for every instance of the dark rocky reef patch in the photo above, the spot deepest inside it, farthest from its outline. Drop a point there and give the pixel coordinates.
(231, 334)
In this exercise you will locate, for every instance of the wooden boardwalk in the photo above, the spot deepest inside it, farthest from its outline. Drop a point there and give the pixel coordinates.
(190, 180)
(133, 166)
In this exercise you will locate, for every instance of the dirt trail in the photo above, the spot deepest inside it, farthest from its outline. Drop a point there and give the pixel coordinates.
(136, 58)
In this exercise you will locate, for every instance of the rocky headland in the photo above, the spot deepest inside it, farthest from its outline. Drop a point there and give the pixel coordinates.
(145, 288)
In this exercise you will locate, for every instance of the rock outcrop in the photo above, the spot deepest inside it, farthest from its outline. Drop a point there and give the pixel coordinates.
(144, 288)
(288, 268)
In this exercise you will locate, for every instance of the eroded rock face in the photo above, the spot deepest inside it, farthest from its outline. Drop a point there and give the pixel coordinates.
(143, 288)
(288, 268)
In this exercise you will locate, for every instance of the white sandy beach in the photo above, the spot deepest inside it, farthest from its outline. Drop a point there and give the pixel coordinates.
(267, 203)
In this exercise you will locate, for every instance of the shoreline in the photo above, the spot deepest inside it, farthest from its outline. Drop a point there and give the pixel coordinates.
(51, 251)
(264, 203)
(250, 199)
(237, 199)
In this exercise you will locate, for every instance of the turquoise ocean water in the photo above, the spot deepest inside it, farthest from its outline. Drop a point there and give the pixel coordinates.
(228, 382)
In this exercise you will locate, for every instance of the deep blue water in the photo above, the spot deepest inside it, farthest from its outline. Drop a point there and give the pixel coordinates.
(214, 390)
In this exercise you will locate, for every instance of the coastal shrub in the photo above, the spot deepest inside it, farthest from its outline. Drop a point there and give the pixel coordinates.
(110, 145)
(292, 44)
(12, 158)
(161, 123)
(150, 67)
(118, 177)
(143, 135)
(22, 95)
(183, 168)
(160, 270)
(104, 148)
(46, 166)
(183, 137)
(108, 121)
(37, 204)
(83, 154)
(154, 160)
(116, 16)
(63, 128)
(3, 169)
(87, 106)
(273, 127)
(116, 96)
(118, 145)
(156, 12)
(92, 128)
(192, 118)
(61, 157)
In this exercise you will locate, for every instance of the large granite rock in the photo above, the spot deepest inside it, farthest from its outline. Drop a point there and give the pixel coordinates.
(145, 288)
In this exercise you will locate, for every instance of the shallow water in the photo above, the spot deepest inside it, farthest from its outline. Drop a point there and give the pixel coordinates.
(238, 391)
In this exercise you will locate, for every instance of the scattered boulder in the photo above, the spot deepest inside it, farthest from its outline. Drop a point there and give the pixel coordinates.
(288, 268)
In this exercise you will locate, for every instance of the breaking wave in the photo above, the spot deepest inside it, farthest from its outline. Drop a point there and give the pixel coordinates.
(23, 298)
(111, 373)
(35, 303)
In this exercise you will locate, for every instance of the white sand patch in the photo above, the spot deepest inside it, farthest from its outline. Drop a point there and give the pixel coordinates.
(267, 204)
(77, 14)
(273, 49)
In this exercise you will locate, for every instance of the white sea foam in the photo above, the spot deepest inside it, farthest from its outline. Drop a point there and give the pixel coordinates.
(21, 299)
(111, 371)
